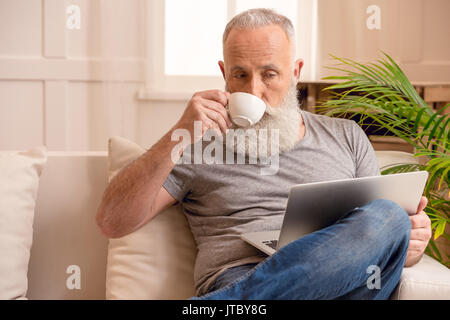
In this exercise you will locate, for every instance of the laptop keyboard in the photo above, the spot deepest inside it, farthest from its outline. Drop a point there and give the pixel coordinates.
(271, 243)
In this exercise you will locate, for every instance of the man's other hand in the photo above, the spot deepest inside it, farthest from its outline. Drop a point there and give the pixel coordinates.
(420, 234)
(209, 108)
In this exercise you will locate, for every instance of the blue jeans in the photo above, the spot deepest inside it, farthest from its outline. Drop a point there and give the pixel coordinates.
(338, 262)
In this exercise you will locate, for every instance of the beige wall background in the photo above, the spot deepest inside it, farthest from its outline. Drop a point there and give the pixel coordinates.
(415, 33)
(72, 89)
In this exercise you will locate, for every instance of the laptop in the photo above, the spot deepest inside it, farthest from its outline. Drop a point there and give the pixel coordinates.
(317, 205)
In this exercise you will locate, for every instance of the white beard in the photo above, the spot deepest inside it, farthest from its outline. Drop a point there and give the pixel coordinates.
(285, 118)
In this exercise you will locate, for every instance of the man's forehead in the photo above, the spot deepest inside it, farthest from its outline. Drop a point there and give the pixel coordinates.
(269, 43)
(269, 36)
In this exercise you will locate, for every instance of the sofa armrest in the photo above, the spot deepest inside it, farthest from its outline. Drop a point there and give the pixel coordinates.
(426, 280)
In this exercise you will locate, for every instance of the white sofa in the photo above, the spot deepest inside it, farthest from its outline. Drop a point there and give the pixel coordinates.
(66, 237)
(65, 234)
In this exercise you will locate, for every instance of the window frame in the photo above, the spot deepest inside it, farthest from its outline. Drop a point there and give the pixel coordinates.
(159, 86)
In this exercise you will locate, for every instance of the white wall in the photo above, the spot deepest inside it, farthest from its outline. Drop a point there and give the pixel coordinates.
(72, 89)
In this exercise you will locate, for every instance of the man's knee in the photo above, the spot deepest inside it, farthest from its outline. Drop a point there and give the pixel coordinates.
(390, 211)
(388, 219)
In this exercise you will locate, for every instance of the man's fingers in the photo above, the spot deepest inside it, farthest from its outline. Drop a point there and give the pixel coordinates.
(213, 105)
(421, 234)
(216, 95)
(417, 246)
(422, 204)
(420, 220)
(217, 118)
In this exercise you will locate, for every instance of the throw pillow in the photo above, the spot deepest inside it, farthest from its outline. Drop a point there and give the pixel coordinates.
(19, 182)
(155, 261)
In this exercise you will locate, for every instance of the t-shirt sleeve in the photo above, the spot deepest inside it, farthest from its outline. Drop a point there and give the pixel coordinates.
(366, 163)
(178, 182)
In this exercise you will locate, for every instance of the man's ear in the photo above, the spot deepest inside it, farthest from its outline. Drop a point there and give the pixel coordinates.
(298, 64)
(222, 68)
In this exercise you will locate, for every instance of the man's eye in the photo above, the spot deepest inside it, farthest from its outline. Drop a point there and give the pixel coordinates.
(239, 75)
(270, 75)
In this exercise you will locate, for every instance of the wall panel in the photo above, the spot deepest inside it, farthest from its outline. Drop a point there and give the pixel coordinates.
(69, 89)
(21, 114)
(20, 28)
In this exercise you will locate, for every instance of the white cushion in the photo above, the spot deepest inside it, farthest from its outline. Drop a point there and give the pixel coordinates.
(155, 261)
(426, 280)
(19, 182)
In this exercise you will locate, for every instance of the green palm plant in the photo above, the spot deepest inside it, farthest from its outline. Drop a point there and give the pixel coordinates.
(382, 93)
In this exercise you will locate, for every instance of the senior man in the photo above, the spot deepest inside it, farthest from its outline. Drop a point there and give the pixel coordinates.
(222, 201)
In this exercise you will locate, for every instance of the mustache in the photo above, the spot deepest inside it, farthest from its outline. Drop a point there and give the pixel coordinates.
(283, 118)
(274, 113)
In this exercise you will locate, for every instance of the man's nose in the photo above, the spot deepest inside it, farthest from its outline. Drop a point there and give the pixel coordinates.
(255, 87)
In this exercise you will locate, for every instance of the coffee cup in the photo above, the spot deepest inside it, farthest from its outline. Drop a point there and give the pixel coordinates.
(245, 109)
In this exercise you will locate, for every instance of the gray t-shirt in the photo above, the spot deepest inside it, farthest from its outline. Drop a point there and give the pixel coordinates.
(221, 201)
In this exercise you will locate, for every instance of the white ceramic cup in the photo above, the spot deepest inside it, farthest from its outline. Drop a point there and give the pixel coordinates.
(245, 109)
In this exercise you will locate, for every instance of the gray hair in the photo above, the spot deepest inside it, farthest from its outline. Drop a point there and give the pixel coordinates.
(256, 18)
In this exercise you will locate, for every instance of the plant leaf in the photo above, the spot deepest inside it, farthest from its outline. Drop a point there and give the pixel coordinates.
(439, 230)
